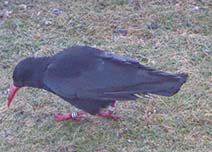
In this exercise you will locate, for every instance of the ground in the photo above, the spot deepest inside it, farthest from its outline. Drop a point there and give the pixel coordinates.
(169, 35)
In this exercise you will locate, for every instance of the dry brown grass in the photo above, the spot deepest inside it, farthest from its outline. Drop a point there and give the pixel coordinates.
(181, 43)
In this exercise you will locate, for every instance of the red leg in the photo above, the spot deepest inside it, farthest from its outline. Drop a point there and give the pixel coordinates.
(108, 114)
(76, 116)
(113, 104)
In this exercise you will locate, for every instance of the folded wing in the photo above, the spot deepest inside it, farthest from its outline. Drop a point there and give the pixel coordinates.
(89, 73)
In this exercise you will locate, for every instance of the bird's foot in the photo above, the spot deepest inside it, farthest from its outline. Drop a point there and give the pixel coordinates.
(76, 116)
(108, 114)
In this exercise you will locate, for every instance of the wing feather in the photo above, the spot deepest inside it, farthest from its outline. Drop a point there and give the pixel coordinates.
(85, 72)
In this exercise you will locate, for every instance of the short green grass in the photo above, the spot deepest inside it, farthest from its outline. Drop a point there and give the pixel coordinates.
(182, 43)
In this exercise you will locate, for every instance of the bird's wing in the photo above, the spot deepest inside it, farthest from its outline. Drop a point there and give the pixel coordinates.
(86, 72)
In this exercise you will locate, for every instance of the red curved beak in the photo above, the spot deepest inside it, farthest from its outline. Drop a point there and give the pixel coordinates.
(13, 90)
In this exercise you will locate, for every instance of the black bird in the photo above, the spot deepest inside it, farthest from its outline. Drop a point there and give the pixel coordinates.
(91, 79)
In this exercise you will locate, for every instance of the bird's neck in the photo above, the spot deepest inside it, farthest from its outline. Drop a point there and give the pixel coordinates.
(39, 68)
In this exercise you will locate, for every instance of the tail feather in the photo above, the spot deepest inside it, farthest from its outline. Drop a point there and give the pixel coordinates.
(149, 82)
(159, 83)
(164, 84)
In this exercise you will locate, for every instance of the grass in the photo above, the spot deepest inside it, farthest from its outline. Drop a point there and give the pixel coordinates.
(182, 43)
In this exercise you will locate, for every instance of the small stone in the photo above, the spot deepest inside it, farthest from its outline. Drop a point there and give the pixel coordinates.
(48, 23)
(6, 3)
(207, 50)
(196, 8)
(57, 11)
(8, 13)
(122, 31)
(7, 91)
(153, 62)
(38, 13)
(23, 6)
(149, 113)
(153, 26)
(154, 111)
(5, 13)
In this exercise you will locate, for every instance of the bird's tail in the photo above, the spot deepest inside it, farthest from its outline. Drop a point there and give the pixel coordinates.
(174, 86)
(152, 82)
(163, 83)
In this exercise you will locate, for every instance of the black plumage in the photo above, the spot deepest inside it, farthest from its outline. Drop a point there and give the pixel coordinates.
(91, 79)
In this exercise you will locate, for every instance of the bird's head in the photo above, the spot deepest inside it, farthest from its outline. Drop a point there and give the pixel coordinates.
(23, 72)
(21, 75)
(28, 72)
